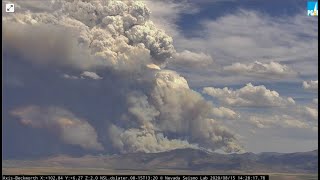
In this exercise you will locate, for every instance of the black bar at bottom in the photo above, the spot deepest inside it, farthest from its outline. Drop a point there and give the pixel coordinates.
(135, 177)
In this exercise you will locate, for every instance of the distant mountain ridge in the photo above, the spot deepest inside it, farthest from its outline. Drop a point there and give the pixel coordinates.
(186, 159)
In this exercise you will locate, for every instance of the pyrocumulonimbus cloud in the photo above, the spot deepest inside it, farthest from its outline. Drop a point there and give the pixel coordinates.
(163, 113)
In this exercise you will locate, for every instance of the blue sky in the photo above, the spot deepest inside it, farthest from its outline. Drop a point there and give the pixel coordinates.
(213, 10)
(263, 14)
(212, 21)
(248, 72)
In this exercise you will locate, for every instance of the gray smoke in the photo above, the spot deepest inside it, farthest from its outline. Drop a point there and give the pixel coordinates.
(70, 128)
(110, 33)
(161, 111)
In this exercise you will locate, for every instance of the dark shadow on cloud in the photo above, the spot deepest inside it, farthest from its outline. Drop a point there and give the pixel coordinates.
(99, 102)
(23, 142)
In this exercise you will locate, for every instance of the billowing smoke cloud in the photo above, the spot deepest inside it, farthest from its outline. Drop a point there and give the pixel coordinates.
(144, 140)
(111, 33)
(118, 39)
(272, 69)
(174, 110)
(184, 111)
(140, 133)
(310, 85)
(63, 123)
(249, 96)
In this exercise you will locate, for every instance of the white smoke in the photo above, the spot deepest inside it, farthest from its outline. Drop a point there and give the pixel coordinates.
(162, 112)
(144, 140)
(115, 34)
(171, 109)
(184, 111)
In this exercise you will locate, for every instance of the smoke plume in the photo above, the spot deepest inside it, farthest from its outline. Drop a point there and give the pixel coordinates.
(160, 112)
(71, 129)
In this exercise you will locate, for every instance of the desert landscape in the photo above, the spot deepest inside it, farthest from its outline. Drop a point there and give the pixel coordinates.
(302, 165)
